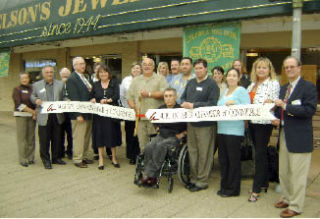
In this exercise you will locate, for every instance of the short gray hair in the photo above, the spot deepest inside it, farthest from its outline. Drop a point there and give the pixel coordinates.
(75, 59)
(150, 59)
(64, 69)
(46, 66)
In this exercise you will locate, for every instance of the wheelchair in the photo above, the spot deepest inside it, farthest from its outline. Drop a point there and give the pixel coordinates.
(176, 162)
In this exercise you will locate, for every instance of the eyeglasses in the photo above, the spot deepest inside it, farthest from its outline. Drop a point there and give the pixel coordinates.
(290, 67)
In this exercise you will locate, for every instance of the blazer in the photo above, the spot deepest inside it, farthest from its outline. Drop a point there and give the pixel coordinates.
(301, 106)
(39, 92)
(77, 91)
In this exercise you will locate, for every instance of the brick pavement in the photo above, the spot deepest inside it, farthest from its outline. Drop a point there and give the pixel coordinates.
(66, 191)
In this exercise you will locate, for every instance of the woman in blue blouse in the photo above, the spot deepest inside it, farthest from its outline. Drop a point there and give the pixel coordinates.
(230, 134)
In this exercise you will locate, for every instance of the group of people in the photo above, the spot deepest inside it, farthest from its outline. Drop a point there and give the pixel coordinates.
(295, 104)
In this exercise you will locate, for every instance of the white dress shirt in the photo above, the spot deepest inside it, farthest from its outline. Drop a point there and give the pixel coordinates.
(124, 87)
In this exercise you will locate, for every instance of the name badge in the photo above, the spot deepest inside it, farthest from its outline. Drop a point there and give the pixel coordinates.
(42, 90)
(296, 102)
(199, 88)
(25, 91)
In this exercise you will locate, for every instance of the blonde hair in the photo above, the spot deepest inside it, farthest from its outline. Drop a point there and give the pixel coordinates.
(163, 64)
(272, 73)
(243, 68)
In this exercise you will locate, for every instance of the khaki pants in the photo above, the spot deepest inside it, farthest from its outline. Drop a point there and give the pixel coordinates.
(293, 174)
(25, 138)
(145, 129)
(82, 140)
(200, 146)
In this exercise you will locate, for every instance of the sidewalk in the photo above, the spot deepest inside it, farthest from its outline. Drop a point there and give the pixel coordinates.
(67, 191)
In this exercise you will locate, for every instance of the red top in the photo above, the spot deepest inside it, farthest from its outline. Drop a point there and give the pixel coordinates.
(252, 94)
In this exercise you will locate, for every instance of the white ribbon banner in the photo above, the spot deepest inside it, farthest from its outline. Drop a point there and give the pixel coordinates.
(106, 110)
(212, 113)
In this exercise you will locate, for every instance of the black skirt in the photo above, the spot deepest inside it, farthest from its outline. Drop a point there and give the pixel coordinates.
(106, 132)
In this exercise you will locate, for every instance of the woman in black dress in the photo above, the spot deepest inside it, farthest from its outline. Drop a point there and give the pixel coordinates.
(106, 131)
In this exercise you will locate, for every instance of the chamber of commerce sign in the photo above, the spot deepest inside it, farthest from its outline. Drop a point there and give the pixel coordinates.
(53, 20)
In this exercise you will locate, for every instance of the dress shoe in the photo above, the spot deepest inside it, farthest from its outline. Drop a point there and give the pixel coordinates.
(87, 161)
(289, 213)
(189, 185)
(59, 161)
(81, 165)
(24, 164)
(47, 165)
(197, 188)
(281, 204)
(132, 161)
(31, 162)
(149, 181)
(101, 167)
(116, 165)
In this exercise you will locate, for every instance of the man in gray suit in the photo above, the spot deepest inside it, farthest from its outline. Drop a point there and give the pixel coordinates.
(49, 125)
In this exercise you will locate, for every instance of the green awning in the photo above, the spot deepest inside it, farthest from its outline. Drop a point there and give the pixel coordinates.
(35, 21)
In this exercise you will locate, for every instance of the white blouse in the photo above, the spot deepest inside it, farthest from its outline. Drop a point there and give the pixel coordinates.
(124, 87)
(269, 89)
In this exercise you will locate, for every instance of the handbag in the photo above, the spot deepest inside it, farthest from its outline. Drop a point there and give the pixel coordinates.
(246, 147)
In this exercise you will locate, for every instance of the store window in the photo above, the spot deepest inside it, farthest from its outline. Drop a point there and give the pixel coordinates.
(113, 61)
(34, 68)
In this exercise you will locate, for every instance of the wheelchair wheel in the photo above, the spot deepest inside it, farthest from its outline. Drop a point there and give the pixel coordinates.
(170, 184)
(183, 165)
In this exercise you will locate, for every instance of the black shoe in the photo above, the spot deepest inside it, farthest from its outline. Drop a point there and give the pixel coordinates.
(87, 161)
(189, 185)
(31, 162)
(116, 165)
(227, 195)
(96, 157)
(101, 167)
(132, 161)
(81, 165)
(47, 165)
(197, 188)
(24, 164)
(59, 161)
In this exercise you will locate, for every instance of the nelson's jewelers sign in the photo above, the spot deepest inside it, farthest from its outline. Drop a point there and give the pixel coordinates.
(51, 20)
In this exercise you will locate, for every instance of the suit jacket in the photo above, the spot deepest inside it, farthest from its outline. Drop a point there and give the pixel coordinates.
(301, 106)
(77, 91)
(39, 92)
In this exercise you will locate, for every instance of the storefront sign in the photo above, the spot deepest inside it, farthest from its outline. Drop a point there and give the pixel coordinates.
(4, 63)
(219, 44)
(53, 20)
(212, 113)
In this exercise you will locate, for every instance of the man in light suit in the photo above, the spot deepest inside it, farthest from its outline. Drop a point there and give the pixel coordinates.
(79, 88)
(49, 125)
(295, 108)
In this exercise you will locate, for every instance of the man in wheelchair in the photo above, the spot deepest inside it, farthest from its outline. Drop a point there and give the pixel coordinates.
(168, 137)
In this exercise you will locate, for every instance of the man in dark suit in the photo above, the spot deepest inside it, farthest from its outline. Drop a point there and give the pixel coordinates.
(49, 125)
(66, 126)
(78, 88)
(295, 108)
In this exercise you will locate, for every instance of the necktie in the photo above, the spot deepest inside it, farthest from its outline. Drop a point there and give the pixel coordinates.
(88, 85)
(285, 100)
